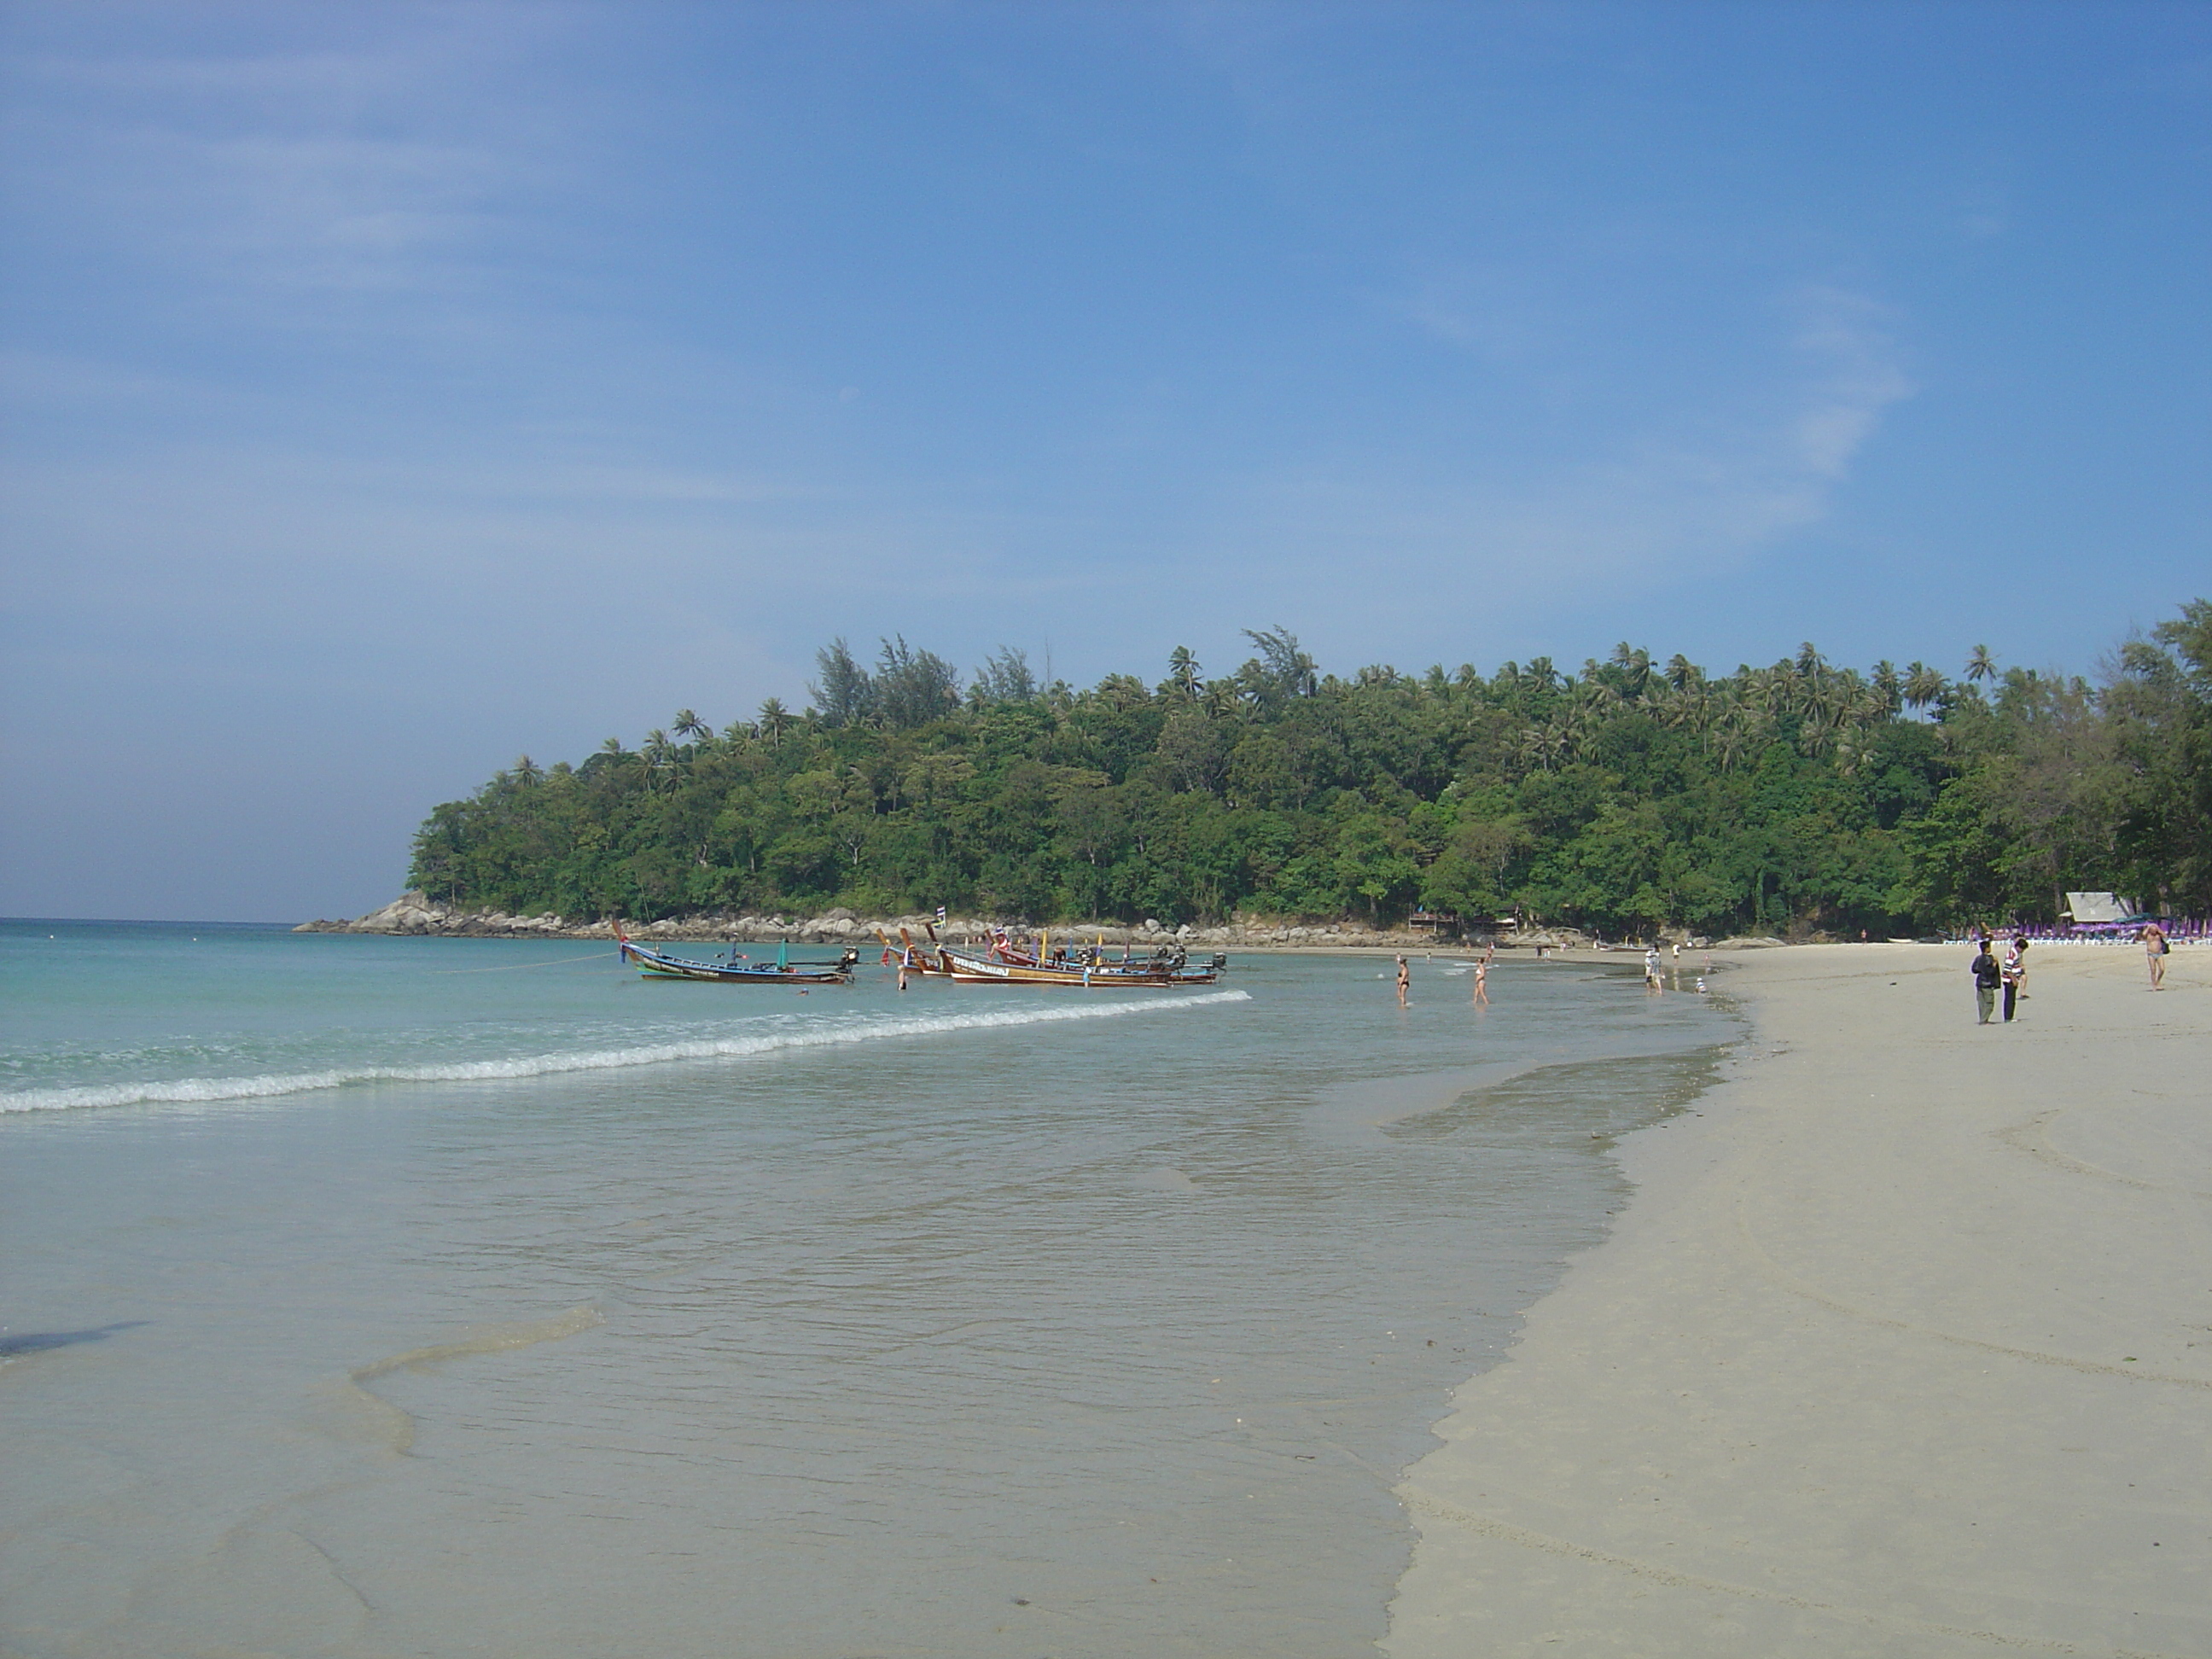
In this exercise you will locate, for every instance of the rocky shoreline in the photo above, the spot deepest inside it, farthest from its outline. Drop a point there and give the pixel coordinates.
(416, 915)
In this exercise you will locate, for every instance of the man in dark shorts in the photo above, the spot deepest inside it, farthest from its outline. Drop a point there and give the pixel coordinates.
(2015, 969)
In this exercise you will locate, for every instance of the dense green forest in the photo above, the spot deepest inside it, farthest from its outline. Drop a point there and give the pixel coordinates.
(1633, 794)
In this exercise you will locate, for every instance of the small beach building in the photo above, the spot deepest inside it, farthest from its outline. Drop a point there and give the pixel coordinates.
(2086, 908)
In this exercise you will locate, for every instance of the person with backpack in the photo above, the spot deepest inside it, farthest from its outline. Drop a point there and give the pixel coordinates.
(1987, 977)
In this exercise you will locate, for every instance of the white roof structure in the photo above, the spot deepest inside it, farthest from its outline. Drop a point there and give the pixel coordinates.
(2099, 907)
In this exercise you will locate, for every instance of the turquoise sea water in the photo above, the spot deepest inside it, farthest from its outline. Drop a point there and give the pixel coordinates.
(379, 1297)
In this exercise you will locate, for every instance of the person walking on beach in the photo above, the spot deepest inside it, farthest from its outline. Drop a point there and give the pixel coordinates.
(2014, 973)
(1652, 968)
(2156, 945)
(1987, 977)
(1404, 981)
(1482, 983)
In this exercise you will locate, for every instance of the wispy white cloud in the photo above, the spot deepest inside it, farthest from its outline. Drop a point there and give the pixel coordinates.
(1494, 308)
(263, 171)
(1718, 481)
(1856, 376)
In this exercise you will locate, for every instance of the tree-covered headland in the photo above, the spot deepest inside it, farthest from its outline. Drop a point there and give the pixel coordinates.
(1629, 795)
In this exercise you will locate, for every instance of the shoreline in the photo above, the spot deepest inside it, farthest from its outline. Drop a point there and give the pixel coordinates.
(1904, 1343)
(413, 914)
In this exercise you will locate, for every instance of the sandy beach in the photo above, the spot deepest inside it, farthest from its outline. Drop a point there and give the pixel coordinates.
(1902, 1346)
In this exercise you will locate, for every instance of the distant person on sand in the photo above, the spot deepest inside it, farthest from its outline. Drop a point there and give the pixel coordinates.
(2156, 945)
(1404, 981)
(1987, 977)
(1482, 982)
(2014, 972)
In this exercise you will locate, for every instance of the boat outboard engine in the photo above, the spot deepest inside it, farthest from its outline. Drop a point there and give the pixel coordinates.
(1217, 961)
(850, 956)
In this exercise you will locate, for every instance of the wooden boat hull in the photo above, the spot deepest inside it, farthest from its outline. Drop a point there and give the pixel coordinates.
(671, 969)
(914, 958)
(652, 964)
(969, 970)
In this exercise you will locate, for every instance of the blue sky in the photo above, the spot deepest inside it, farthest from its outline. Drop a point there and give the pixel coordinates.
(391, 389)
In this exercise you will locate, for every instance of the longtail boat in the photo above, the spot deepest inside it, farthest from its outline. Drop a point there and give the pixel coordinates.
(658, 964)
(966, 968)
(913, 958)
(1168, 963)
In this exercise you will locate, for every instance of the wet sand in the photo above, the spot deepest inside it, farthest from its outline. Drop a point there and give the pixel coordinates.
(1904, 1345)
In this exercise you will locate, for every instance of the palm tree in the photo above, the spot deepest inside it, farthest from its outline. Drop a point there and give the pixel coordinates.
(1539, 745)
(527, 772)
(1732, 743)
(689, 725)
(1868, 708)
(1184, 670)
(1636, 661)
(1584, 717)
(1887, 686)
(1981, 665)
(1923, 685)
(1681, 671)
(773, 719)
(1852, 749)
(1822, 724)
(659, 753)
(1769, 690)
(1223, 698)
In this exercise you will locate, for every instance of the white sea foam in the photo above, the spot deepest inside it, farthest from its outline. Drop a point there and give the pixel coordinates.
(210, 1089)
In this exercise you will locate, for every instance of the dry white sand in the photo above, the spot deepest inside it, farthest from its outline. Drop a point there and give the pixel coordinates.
(1903, 1347)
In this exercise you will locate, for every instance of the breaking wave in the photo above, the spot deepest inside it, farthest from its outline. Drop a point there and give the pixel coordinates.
(200, 1090)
